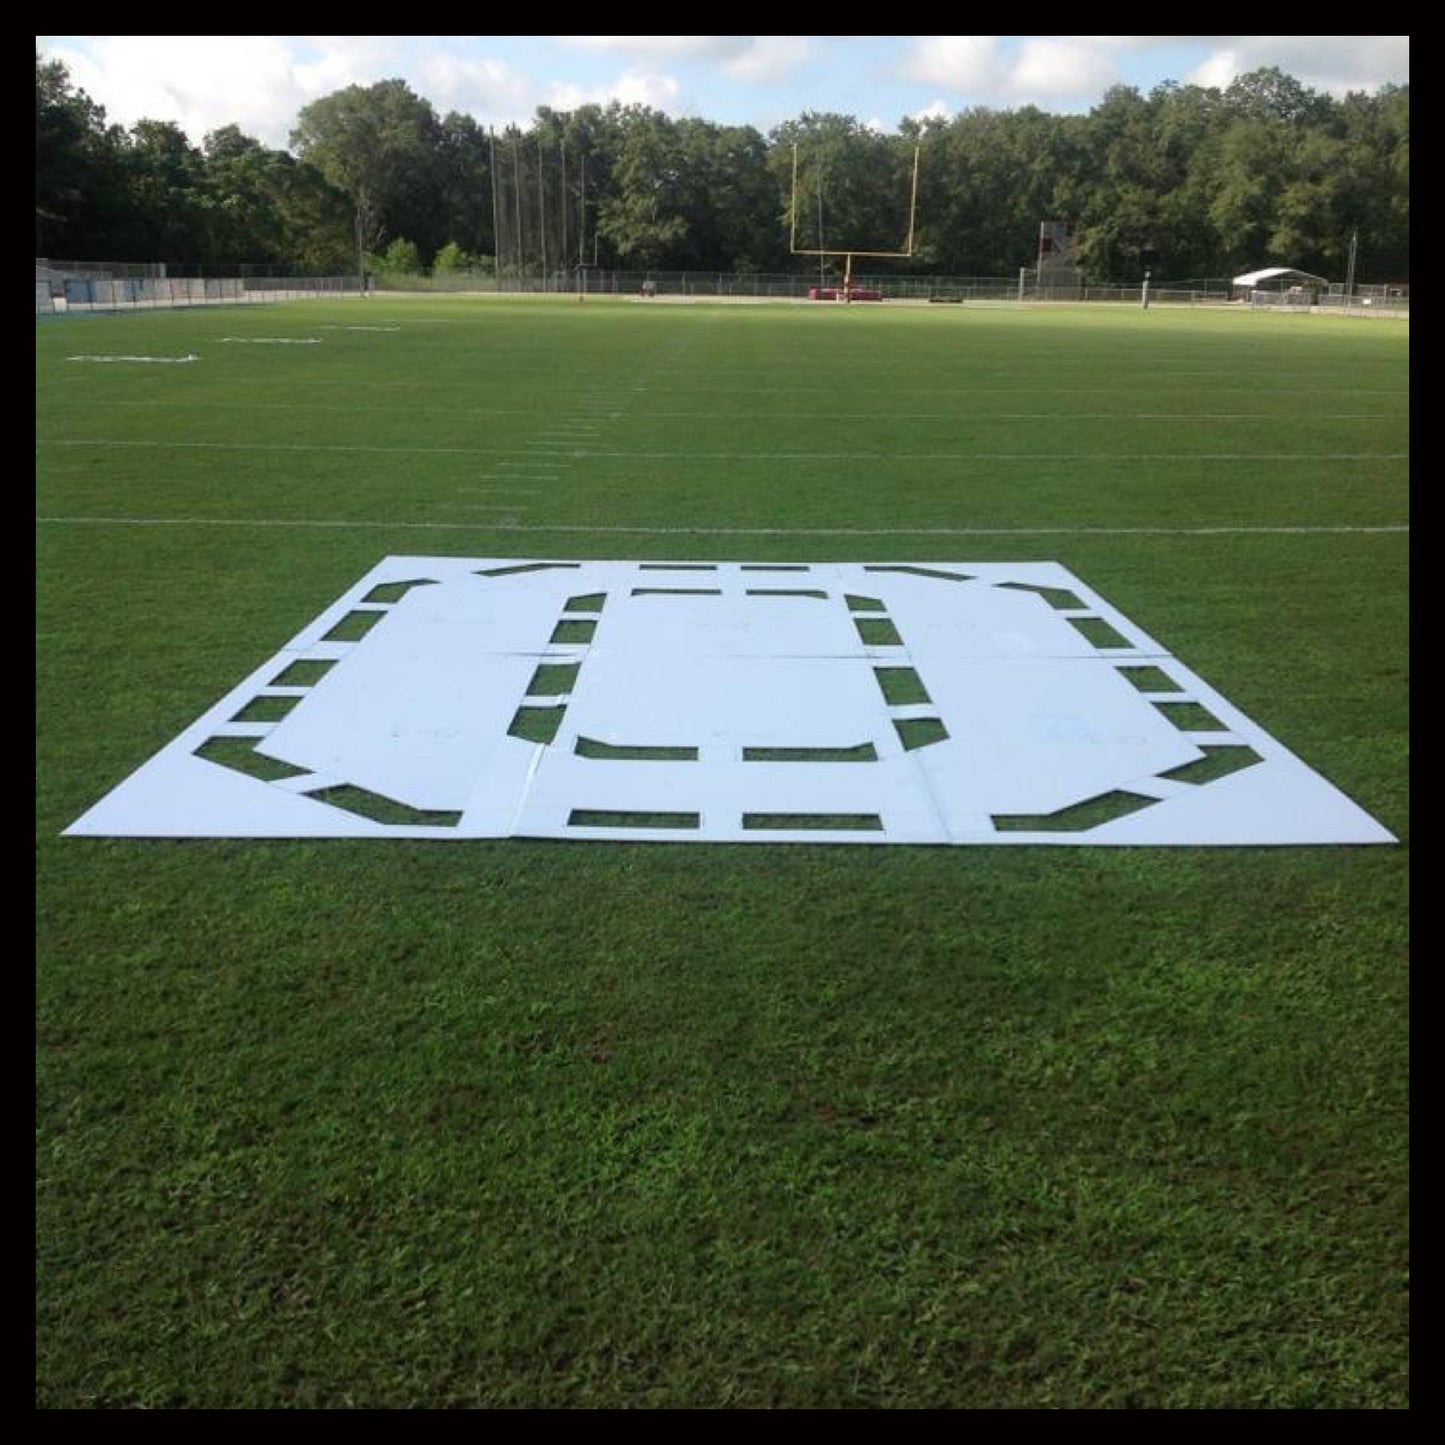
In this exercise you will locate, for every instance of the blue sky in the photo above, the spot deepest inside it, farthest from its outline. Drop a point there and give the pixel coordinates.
(260, 82)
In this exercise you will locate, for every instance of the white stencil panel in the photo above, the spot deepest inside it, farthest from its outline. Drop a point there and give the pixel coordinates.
(882, 703)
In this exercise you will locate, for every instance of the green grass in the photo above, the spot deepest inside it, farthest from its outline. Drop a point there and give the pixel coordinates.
(660, 1124)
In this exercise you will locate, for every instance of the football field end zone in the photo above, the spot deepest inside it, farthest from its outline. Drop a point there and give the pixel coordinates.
(1059, 668)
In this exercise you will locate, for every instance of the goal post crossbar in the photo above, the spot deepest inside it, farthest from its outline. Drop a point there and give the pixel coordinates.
(849, 252)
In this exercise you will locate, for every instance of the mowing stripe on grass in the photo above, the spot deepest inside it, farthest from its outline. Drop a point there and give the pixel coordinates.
(725, 531)
(1295, 457)
(968, 416)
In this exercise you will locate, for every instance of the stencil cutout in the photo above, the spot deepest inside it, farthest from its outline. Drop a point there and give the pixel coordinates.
(960, 703)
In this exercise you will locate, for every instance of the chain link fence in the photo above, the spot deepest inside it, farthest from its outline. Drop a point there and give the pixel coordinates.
(68, 286)
(111, 286)
(892, 286)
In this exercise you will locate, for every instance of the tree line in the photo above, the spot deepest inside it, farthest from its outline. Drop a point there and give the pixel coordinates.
(1186, 180)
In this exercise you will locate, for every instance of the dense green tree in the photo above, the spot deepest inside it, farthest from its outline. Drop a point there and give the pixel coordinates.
(378, 144)
(400, 258)
(1185, 181)
(102, 193)
(80, 187)
(988, 178)
(852, 183)
(645, 218)
(1270, 94)
(266, 207)
(166, 189)
(464, 184)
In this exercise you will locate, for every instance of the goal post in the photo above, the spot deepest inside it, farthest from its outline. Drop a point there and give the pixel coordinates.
(849, 252)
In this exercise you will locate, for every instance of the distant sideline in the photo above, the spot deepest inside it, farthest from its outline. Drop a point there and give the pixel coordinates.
(91, 286)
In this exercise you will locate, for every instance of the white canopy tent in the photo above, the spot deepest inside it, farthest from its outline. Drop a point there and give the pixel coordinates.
(1252, 279)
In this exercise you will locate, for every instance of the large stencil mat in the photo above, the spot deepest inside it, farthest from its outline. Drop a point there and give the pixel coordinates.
(730, 702)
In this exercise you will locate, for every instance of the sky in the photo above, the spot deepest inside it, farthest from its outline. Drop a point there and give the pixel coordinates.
(260, 82)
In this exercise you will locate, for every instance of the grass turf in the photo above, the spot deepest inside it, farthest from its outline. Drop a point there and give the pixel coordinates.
(607, 1125)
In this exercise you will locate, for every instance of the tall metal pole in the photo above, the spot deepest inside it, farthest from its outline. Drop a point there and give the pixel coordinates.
(582, 217)
(542, 207)
(1350, 269)
(793, 208)
(582, 226)
(496, 221)
(562, 261)
(517, 187)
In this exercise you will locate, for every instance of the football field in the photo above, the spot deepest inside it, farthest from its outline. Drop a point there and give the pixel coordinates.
(604, 1124)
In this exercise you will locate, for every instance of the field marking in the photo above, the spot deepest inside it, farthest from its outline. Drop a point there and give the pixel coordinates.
(583, 454)
(959, 416)
(610, 404)
(167, 360)
(963, 383)
(1217, 531)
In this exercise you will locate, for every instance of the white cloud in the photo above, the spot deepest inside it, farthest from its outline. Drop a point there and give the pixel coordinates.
(1140, 42)
(666, 47)
(337, 61)
(632, 87)
(1057, 69)
(491, 91)
(752, 58)
(957, 62)
(260, 83)
(644, 87)
(1042, 69)
(934, 110)
(768, 58)
(1218, 70)
(1332, 63)
(200, 82)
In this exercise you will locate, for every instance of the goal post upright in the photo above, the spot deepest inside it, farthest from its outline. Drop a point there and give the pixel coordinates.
(849, 253)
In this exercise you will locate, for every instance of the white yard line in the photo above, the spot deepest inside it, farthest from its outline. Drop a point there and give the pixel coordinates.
(732, 419)
(1220, 531)
(1295, 458)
